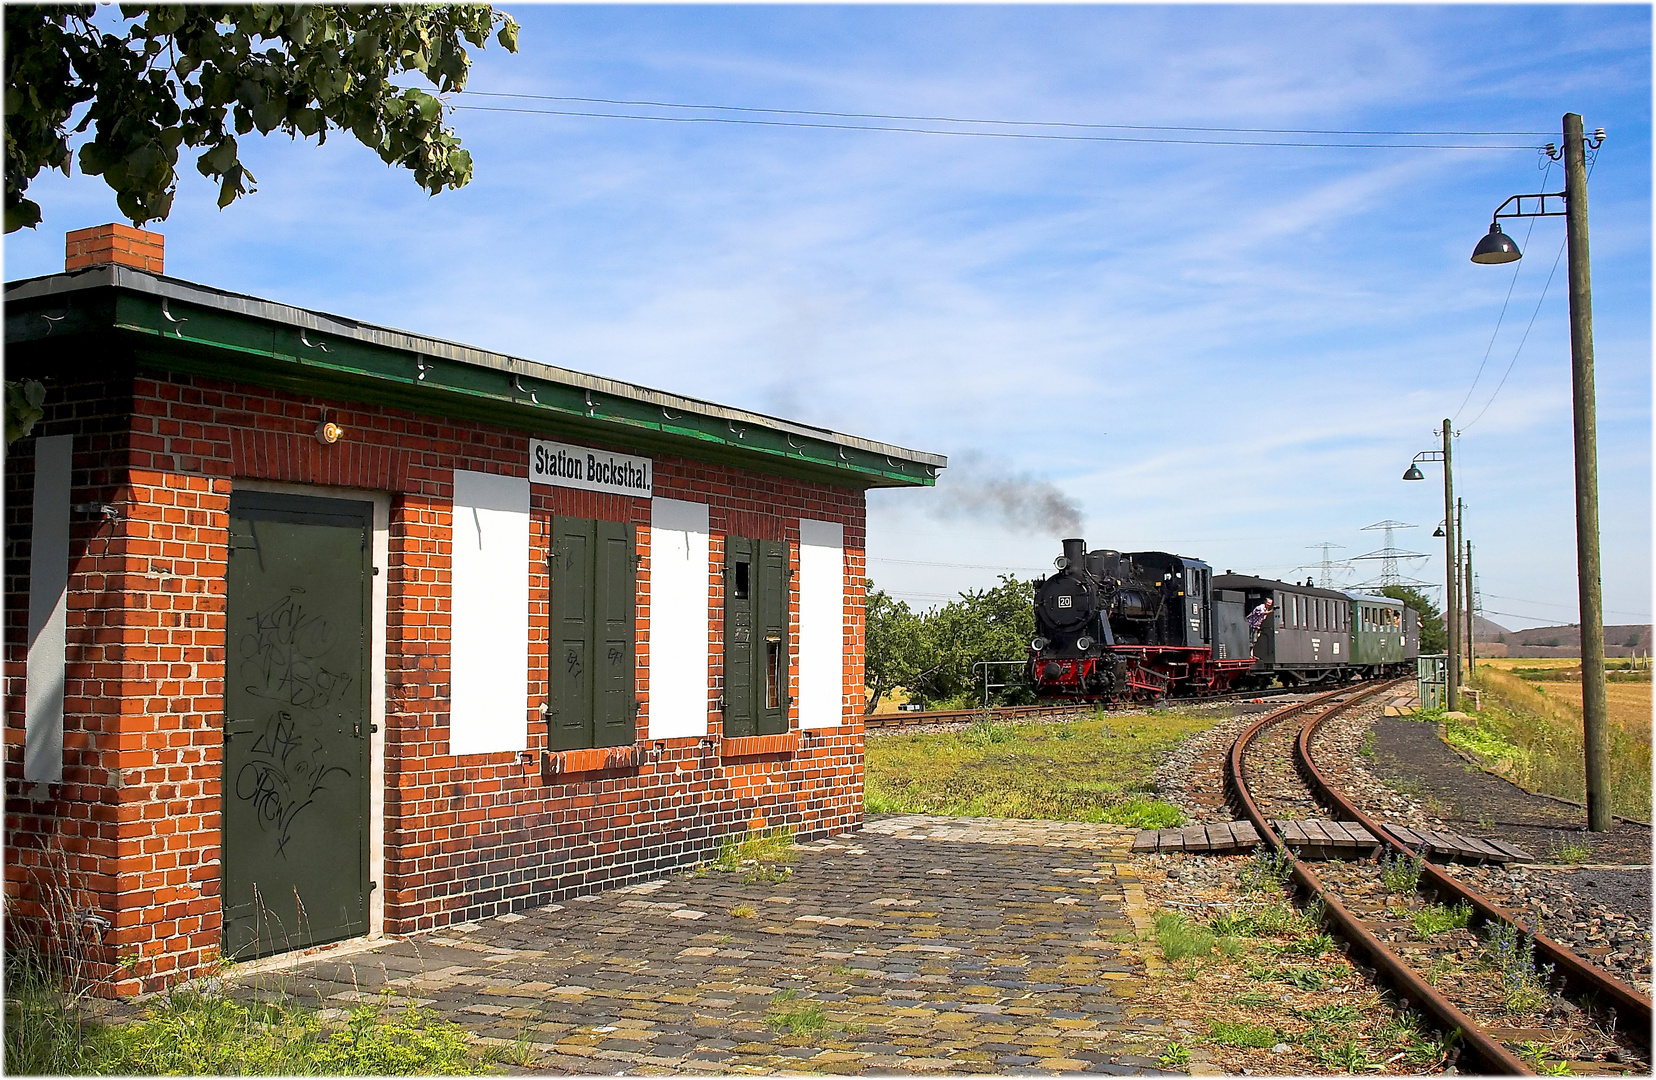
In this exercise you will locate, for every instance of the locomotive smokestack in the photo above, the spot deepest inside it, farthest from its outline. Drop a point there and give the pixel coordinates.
(1075, 554)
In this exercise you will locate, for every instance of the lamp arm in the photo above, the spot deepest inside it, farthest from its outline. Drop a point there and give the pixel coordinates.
(1542, 211)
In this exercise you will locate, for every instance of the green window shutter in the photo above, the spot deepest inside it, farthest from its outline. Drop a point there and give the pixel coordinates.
(569, 714)
(615, 708)
(740, 581)
(771, 652)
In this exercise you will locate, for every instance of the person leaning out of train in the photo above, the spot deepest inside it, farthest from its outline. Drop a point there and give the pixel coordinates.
(1257, 617)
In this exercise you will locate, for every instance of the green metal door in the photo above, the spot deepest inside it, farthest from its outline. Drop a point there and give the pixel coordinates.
(756, 654)
(297, 722)
(594, 604)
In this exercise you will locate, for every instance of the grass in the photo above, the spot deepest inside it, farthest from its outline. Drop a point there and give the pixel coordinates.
(1180, 938)
(790, 1015)
(1243, 1035)
(1085, 770)
(192, 1033)
(1143, 813)
(1530, 733)
(1271, 920)
(1434, 919)
(761, 855)
(1569, 849)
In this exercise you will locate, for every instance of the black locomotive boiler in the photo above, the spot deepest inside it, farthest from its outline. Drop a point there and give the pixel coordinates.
(1139, 626)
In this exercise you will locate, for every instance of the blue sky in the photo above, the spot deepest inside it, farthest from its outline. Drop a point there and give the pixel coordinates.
(1228, 352)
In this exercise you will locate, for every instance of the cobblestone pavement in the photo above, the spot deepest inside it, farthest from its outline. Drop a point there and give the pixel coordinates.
(928, 945)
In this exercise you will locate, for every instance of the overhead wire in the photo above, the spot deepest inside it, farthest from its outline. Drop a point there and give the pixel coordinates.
(1499, 319)
(1539, 301)
(977, 120)
(1025, 135)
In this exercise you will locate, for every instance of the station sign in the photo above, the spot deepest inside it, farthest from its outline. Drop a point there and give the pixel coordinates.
(564, 465)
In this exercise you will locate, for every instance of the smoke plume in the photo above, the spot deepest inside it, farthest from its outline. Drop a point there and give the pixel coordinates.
(978, 489)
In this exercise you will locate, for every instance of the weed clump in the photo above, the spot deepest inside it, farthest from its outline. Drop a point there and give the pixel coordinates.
(761, 855)
(1180, 938)
(1244, 1035)
(1268, 870)
(791, 1018)
(1434, 919)
(1511, 955)
(1569, 849)
(1176, 1056)
(1401, 873)
(987, 732)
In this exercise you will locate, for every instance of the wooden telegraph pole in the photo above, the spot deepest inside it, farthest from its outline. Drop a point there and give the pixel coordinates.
(1594, 708)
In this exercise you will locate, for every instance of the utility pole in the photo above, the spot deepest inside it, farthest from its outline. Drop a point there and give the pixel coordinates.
(1451, 571)
(1471, 615)
(1594, 709)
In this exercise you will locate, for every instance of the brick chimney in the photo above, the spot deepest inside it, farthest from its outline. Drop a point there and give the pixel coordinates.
(113, 244)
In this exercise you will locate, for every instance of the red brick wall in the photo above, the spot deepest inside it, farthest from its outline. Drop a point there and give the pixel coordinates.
(465, 837)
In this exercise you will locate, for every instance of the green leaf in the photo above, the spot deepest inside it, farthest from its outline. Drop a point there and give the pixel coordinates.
(22, 214)
(147, 81)
(219, 160)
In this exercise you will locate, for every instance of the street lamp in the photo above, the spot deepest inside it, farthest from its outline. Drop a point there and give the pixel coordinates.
(1451, 560)
(1497, 248)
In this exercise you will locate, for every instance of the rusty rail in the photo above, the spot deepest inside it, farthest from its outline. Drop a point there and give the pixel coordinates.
(1579, 974)
(1494, 1056)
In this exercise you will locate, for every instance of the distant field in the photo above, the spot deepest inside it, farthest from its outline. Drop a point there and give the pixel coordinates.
(1629, 702)
(1535, 706)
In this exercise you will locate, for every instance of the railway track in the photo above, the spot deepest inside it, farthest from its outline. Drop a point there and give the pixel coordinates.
(1272, 774)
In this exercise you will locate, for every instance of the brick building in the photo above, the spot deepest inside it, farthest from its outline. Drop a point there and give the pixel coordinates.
(317, 630)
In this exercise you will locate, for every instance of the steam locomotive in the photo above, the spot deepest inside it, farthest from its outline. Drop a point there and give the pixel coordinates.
(1140, 626)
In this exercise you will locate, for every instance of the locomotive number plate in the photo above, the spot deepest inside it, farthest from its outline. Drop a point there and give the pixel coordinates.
(1065, 601)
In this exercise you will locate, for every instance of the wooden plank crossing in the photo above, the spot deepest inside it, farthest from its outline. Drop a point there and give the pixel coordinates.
(1457, 846)
(1320, 838)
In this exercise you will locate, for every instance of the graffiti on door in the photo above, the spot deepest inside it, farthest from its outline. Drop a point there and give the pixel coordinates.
(283, 776)
(280, 655)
